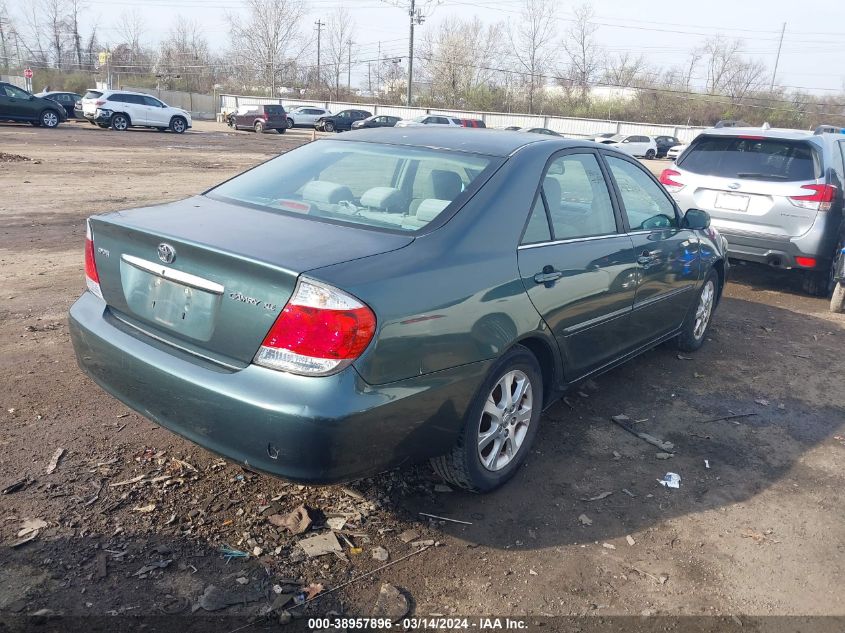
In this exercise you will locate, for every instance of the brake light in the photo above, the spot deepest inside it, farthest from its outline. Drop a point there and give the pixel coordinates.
(820, 198)
(100, 102)
(667, 179)
(320, 331)
(751, 137)
(806, 262)
(92, 279)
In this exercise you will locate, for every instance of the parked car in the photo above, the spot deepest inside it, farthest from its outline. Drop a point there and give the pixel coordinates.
(472, 123)
(16, 104)
(342, 121)
(430, 119)
(67, 100)
(675, 152)
(775, 194)
(633, 144)
(306, 116)
(539, 130)
(368, 331)
(664, 144)
(120, 110)
(730, 123)
(603, 137)
(837, 298)
(381, 120)
(260, 118)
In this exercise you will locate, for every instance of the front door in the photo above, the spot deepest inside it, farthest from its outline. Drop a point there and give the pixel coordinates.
(666, 254)
(16, 103)
(157, 114)
(577, 264)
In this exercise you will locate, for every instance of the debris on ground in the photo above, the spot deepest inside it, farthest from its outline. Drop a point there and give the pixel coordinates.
(229, 553)
(585, 520)
(625, 422)
(629, 493)
(670, 480)
(409, 535)
(423, 543)
(17, 485)
(28, 531)
(598, 497)
(336, 523)
(664, 455)
(145, 509)
(146, 569)
(442, 488)
(682, 357)
(391, 603)
(54, 461)
(707, 463)
(630, 540)
(380, 553)
(608, 546)
(758, 537)
(214, 598)
(320, 545)
(296, 522)
(13, 158)
(439, 518)
(762, 402)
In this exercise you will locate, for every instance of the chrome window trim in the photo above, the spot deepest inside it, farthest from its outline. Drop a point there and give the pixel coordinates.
(570, 240)
(171, 274)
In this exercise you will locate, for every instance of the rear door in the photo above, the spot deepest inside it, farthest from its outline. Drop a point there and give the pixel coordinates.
(748, 183)
(577, 263)
(666, 255)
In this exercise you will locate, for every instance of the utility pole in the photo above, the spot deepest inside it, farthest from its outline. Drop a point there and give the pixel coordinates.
(378, 70)
(777, 59)
(319, 26)
(411, 12)
(349, 68)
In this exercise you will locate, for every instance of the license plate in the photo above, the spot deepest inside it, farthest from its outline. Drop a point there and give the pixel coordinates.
(732, 202)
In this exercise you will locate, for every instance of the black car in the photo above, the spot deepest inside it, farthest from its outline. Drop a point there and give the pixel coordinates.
(664, 144)
(16, 104)
(342, 121)
(381, 120)
(68, 100)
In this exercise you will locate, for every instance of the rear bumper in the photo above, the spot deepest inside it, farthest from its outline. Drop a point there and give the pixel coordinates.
(781, 253)
(314, 430)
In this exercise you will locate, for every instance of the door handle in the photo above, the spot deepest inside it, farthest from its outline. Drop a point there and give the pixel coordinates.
(547, 276)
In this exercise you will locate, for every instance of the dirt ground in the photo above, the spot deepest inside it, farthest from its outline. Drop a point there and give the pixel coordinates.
(136, 517)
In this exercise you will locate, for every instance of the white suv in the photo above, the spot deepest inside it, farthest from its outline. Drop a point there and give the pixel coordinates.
(430, 119)
(120, 110)
(633, 144)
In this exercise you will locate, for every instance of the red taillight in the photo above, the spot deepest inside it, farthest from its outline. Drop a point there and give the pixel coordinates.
(92, 278)
(99, 102)
(820, 198)
(751, 137)
(320, 331)
(667, 179)
(806, 262)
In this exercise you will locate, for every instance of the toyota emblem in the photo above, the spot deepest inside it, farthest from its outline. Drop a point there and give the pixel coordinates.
(166, 253)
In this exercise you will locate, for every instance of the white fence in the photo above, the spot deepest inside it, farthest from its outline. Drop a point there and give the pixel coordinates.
(569, 126)
(201, 106)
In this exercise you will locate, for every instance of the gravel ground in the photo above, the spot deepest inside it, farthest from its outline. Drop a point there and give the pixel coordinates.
(133, 519)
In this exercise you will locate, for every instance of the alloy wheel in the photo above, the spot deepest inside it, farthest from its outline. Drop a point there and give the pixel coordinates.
(178, 126)
(120, 123)
(49, 119)
(504, 420)
(704, 309)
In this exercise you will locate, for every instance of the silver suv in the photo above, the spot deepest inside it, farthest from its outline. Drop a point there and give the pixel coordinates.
(776, 195)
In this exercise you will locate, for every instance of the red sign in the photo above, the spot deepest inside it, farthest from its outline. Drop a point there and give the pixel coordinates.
(28, 73)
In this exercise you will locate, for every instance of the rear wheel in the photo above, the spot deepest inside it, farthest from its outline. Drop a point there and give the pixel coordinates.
(281, 130)
(290, 123)
(259, 127)
(837, 300)
(650, 154)
(499, 427)
(120, 122)
(695, 326)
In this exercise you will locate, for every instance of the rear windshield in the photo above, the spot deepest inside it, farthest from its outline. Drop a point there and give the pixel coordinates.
(383, 186)
(752, 158)
(93, 94)
(274, 109)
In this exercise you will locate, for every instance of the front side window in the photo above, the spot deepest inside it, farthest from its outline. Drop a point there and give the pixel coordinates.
(383, 186)
(646, 205)
(150, 101)
(577, 197)
(16, 93)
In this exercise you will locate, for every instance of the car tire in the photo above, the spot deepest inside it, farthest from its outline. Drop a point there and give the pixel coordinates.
(104, 126)
(49, 119)
(694, 329)
(290, 123)
(281, 130)
(178, 125)
(816, 283)
(120, 122)
(480, 461)
(328, 126)
(837, 300)
(258, 127)
(650, 154)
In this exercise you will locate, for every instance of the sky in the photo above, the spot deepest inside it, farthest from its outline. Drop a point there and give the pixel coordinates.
(812, 57)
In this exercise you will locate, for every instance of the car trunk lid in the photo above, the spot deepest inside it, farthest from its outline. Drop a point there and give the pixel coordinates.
(211, 277)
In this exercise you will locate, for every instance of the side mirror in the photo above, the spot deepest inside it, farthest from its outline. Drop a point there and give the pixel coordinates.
(696, 219)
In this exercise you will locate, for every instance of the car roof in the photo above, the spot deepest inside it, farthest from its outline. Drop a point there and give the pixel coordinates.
(459, 139)
(126, 92)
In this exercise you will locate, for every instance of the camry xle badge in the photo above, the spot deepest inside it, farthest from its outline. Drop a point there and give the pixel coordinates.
(734, 185)
(166, 253)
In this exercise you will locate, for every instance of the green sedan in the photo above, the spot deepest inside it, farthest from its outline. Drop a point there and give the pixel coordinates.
(394, 295)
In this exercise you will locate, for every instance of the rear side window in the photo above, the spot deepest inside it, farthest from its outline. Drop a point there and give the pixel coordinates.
(753, 158)
(577, 197)
(93, 94)
(274, 110)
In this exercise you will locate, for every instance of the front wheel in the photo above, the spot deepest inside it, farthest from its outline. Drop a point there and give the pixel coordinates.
(500, 425)
(178, 125)
(698, 319)
(328, 126)
(290, 123)
(50, 118)
(650, 154)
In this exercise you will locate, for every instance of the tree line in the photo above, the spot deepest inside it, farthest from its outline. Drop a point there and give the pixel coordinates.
(532, 63)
